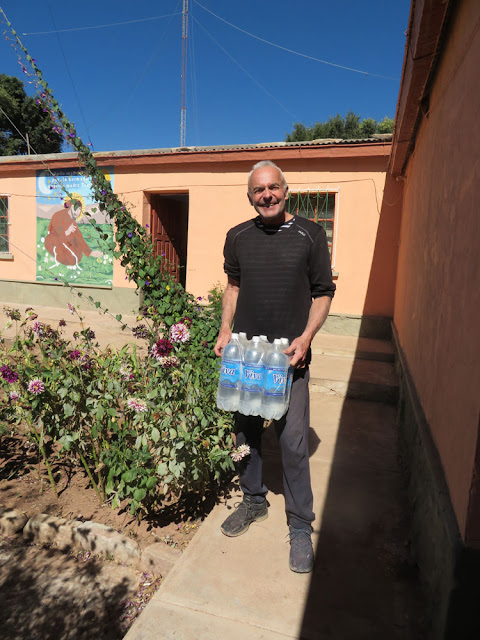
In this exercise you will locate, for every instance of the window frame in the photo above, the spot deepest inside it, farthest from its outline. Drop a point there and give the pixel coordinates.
(5, 253)
(317, 191)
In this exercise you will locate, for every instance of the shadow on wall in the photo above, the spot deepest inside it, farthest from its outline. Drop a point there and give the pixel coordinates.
(365, 583)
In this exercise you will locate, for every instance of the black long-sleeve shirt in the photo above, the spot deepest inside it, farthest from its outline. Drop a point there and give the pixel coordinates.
(279, 274)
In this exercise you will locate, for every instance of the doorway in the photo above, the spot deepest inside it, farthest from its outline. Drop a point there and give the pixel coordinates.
(169, 226)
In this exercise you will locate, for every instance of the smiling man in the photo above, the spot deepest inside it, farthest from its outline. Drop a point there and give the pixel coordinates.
(280, 285)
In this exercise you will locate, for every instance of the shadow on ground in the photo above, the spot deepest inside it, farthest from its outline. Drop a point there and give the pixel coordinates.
(50, 595)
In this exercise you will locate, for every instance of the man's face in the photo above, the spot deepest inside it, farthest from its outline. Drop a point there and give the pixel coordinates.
(267, 194)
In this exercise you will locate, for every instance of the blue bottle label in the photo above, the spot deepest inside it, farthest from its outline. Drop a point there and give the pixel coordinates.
(230, 373)
(252, 377)
(276, 382)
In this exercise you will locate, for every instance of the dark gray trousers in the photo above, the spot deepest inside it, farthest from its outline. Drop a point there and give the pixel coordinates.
(292, 434)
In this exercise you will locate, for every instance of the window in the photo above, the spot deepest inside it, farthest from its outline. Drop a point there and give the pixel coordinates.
(4, 248)
(318, 206)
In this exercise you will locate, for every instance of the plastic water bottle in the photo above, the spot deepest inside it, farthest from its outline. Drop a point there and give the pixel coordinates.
(252, 379)
(228, 393)
(285, 344)
(244, 341)
(276, 370)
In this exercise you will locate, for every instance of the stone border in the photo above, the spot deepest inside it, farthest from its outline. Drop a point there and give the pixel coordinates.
(157, 558)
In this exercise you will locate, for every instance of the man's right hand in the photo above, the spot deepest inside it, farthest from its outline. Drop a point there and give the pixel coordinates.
(222, 341)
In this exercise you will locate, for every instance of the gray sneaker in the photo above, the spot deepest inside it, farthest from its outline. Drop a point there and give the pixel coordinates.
(301, 550)
(246, 512)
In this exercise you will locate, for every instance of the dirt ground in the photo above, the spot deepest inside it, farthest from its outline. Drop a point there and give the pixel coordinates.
(49, 594)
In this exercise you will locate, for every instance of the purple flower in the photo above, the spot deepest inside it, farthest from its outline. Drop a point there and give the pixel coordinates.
(179, 333)
(8, 374)
(75, 354)
(36, 386)
(39, 328)
(161, 348)
(14, 396)
(147, 283)
(130, 235)
(62, 323)
(71, 308)
(140, 331)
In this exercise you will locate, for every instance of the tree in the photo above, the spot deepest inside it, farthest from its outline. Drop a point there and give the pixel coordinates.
(28, 117)
(385, 126)
(345, 128)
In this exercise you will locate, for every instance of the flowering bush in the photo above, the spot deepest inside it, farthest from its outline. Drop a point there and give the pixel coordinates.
(144, 427)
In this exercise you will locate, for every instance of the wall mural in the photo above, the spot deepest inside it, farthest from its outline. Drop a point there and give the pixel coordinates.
(69, 248)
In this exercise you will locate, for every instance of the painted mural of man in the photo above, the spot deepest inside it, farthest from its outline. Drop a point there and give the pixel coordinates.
(65, 241)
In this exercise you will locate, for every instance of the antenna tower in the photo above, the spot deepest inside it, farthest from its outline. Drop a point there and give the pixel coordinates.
(183, 110)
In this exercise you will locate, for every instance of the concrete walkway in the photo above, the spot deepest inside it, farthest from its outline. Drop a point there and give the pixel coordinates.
(362, 587)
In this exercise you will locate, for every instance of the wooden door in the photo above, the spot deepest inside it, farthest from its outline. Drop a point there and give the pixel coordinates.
(168, 222)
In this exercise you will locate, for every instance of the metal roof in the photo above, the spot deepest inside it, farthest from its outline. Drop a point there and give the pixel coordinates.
(377, 137)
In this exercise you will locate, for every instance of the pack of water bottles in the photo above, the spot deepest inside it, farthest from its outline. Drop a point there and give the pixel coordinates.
(255, 377)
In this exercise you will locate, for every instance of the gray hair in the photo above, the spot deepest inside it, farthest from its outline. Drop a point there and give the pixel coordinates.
(266, 163)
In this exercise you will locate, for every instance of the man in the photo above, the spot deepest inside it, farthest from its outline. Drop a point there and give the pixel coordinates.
(279, 284)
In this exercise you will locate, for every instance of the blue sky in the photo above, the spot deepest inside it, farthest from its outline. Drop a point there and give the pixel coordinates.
(121, 84)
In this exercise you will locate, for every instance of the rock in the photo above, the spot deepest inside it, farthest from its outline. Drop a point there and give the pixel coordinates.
(106, 541)
(159, 558)
(11, 521)
(44, 529)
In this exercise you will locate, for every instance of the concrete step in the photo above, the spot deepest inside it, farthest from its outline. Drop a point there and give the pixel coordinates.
(354, 378)
(352, 347)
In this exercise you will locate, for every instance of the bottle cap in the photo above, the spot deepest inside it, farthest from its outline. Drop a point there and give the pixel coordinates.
(285, 341)
(234, 336)
(264, 338)
(277, 341)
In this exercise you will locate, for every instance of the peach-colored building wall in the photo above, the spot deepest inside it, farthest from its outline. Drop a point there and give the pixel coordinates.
(218, 201)
(216, 185)
(20, 190)
(437, 306)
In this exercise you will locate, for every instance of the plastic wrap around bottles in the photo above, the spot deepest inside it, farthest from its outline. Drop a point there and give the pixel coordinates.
(255, 377)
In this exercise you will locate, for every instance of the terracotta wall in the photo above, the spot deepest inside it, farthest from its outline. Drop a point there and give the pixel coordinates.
(437, 305)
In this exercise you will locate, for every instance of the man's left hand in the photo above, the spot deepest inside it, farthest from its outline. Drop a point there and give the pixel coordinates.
(298, 350)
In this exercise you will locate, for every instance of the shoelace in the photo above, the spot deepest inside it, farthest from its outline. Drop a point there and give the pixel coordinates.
(301, 537)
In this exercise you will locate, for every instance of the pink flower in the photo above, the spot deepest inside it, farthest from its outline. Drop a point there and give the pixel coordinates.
(241, 452)
(36, 386)
(137, 405)
(71, 308)
(14, 396)
(179, 333)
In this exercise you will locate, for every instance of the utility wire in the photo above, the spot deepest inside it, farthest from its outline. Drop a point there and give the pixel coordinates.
(70, 76)
(245, 71)
(99, 26)
(297, 53)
